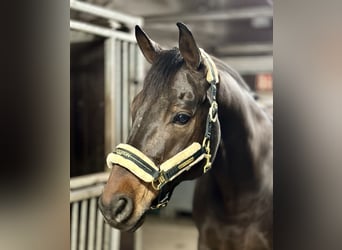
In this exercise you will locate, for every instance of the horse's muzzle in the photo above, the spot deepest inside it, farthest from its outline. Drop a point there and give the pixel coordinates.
(118, 211)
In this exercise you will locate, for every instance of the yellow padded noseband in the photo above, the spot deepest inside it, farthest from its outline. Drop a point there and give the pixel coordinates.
(144, 168)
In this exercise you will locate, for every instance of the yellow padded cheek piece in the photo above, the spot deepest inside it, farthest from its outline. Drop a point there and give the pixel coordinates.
(129, 165)
(181, 156)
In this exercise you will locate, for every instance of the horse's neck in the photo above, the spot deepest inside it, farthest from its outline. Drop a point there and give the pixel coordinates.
(246, 138)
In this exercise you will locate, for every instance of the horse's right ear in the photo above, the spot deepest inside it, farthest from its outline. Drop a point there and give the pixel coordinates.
(148, 47)
(188, 47)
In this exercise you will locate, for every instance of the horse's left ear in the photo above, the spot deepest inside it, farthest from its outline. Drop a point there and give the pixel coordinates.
(148, 47)
(188, 47)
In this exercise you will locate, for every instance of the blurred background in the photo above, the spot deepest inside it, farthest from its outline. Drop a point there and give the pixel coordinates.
(107, 71)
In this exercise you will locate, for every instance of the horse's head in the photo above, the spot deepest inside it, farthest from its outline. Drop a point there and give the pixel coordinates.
(169, 115)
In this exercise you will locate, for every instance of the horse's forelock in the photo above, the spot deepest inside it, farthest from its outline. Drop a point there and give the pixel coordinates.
(163, 70)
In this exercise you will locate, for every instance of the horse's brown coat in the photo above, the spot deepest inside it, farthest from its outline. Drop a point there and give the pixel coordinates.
(233, 201)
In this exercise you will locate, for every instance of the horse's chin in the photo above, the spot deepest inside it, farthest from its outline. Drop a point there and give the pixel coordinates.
(127, 227)
(137, 224)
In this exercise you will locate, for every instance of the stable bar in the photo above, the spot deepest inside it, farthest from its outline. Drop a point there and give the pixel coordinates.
(86, 193)
(83, 225)
(110, 95)
(74, 225)
(106, 238)
(118, 97)
(125, 92)
(91, 224)
(232, 14)
(99, 230)
(103, 12)
(131, 78)
(250, 64)
(88, 180)
(100, 31)
(138, 239)
(251, 48)
(115, 239)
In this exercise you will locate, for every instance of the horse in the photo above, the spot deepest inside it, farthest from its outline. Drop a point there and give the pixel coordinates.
(195, 118)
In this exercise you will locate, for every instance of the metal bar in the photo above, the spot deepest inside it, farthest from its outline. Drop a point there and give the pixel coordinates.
(110, 94)
(100, 31)
(118, 97)
(245, 48)
(77, 36)
(88, 180)
(232, 14)
(74, 225)
(91, 223)
(138, 239)
(125, 92)
(131, 79)
(99, 230)
(250, 64)
(103, 12)
(77, 195)
(115, 240)
(106, 238)
(77, 25)
(83, 225)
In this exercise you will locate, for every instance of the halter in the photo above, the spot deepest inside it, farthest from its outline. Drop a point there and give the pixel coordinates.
(145, 169)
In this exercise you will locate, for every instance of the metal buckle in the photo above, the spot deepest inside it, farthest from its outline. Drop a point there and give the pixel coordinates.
(160, 181)
(213, 114)
(160, 205)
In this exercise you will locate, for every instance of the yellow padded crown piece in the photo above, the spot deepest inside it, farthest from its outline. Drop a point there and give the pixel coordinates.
(212, 74)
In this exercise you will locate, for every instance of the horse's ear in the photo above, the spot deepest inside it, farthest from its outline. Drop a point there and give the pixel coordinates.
(148, 47)
(188, 47)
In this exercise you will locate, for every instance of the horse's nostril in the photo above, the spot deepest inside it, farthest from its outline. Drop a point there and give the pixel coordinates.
(119, 208)
(122, 208)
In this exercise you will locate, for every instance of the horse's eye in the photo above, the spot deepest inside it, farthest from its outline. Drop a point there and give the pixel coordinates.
(181, 119)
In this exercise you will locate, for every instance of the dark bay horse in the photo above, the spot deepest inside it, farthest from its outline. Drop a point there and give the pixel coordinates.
(233, 201)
